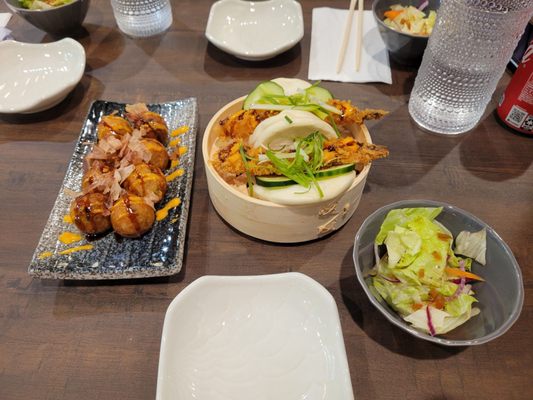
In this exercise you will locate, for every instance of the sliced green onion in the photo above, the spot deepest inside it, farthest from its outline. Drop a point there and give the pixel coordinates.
(249, 180)
(307, 159)
(287, 118)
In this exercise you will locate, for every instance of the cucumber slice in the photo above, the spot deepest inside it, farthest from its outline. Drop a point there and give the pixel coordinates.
(281, 181)
(273, 181)
(319, 93)
(334, 171)
(267, 88)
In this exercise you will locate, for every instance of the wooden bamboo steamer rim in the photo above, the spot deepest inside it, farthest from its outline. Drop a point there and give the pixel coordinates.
(276, 222)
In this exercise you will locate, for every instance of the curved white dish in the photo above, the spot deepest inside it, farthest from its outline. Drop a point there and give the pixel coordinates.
(35, 77)
(255, 30)
(253, 337)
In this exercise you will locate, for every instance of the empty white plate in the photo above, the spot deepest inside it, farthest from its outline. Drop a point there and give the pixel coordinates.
(35, 77)
(255, 30)
(253, 337)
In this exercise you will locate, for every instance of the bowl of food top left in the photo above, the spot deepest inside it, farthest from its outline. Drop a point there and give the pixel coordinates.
(35, 77)
(65, 17)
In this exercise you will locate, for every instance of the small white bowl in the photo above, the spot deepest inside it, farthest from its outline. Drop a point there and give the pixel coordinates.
(35, 77)
(255, 30)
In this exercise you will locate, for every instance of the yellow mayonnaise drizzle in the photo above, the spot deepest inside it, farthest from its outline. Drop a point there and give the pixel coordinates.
(69, 237)
(179, 131)
(45, 254)
(174, 175)
(174, 142)
(174, 164)
(67, 219)
(163, 213)
(75, 249)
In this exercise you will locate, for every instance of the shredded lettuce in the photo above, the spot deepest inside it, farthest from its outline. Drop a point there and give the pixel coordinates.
(412, 275)
(472, 244)
(42, 4)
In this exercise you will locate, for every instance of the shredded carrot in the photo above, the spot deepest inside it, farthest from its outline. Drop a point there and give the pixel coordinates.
(460, 273)
(391, 14)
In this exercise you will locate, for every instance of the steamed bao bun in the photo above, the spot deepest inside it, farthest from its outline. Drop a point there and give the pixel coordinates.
(277, 131)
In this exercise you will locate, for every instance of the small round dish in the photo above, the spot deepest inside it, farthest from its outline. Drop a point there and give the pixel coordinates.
(500, 297)
(403, 47)
(56, 20)
(253, 30)
(35, 77)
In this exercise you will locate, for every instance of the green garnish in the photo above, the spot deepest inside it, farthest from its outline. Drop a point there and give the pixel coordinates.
(249, 181)
(306, 162)
(287, 118)
(313, 99)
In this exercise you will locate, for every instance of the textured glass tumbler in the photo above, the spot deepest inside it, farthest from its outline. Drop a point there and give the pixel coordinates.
(466, 55)
(142, 18)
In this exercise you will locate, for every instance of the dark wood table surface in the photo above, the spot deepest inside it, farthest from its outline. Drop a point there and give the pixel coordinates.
(101, 340)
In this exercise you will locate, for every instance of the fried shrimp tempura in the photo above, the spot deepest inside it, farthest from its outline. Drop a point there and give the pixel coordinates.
(229, 164)
(347, 151)
(241, 124)
(352, 115)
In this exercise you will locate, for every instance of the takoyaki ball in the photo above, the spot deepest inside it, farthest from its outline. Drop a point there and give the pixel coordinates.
(113, 125)
(158, 153)
(90, 214)
(155, 126)
(131, 216)
(96, 179)
(146, 181)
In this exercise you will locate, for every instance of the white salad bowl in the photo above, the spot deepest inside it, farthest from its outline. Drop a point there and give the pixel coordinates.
(500, 297)
(253, 338)
(255, 30)
(276, 222)
(35, 77)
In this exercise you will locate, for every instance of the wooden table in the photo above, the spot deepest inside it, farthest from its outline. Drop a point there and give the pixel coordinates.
(100, 340)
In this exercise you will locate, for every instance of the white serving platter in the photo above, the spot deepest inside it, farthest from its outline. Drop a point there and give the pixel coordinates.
(260, 337)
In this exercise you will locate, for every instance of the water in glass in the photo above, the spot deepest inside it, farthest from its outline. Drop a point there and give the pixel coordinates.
(466, 55)
(142, 18)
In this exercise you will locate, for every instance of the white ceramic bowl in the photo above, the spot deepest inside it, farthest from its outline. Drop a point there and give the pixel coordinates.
(255, 30)
(253, 338)
(35, 77)
(274, 222)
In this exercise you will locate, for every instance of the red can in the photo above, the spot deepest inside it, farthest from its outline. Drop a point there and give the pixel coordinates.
(516, 105)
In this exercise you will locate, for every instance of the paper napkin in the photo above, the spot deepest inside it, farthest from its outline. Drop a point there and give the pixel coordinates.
(4, 32)
(326, 40)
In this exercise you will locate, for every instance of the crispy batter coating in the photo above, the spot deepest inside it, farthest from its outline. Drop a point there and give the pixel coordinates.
(146, 181)
(229, 164)
(90, 213)
(131, 216)
(158, 154)
(151, 124)
(242, 124)
(113, 125)
(352, 115)
(347, 150)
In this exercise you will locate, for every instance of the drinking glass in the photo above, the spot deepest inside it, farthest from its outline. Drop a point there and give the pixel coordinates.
(466, 55)
(142, 18)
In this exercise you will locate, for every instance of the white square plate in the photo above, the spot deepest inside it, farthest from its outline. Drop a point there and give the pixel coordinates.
(269, 337)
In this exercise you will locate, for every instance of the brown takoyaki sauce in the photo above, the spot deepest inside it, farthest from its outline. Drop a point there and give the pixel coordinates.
(131, 214)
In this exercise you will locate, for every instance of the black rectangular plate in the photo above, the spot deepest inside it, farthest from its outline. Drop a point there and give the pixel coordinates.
(157, 253)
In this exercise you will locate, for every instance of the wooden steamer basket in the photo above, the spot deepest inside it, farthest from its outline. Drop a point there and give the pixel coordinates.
(275, 222)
